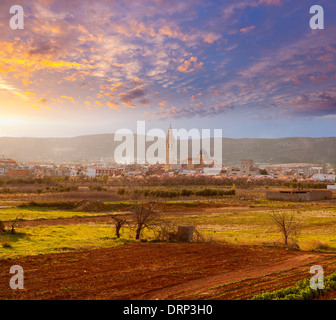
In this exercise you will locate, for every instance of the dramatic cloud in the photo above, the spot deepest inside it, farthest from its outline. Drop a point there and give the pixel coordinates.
(170, 59)
(320, 104)
(127, 98)
(199, 110)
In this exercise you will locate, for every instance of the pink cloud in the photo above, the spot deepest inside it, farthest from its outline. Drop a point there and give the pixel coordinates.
(320, 78)
(271, 2)
(190, 65)
(247, 29)
(319, 104)
(296, 80)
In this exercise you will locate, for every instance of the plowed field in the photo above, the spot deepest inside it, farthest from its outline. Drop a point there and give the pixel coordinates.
(161, 271)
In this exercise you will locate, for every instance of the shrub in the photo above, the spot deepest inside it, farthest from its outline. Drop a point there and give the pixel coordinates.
(52, 204)
(2, 227)
(186, 192)
(293, 296)
(97, 188)
(6, 244)
(316, 245)
(302, 291)
(176, 192)
(121, 191)
(6, 190)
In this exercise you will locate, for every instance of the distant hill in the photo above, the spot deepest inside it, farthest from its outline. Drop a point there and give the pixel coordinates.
(284, 150)
(96, 147)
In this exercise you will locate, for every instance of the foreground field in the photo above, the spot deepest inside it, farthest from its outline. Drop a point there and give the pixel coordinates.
(43, 230)
(71, 252)
(161, 271)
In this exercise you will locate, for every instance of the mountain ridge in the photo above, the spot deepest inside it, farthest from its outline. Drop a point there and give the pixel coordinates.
(101, 146)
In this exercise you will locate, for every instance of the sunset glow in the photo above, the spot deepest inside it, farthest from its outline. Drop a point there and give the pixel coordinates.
(253, 68)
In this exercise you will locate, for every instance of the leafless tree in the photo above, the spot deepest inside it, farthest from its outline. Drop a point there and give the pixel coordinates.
(145, 216)
(285, 223)
(17, 219)
(119, 222)
(167, 231)
(198, 235)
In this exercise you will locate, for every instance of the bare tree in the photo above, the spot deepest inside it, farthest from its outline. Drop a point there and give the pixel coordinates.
(167, 231)
(285, 223)
(17, 219)
(119, 222)
(145, 216)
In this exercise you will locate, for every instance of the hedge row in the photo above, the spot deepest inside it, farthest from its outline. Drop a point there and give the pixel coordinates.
(176, 192)
(204, 180)
(302, 291)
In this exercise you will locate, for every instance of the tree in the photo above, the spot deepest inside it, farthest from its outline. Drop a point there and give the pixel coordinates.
(18, 218)
(144, 216)
(104, 178)
(285, 224)
(294, 183)
(119, 222)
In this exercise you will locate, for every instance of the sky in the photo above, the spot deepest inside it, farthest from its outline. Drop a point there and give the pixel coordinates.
(253, 68)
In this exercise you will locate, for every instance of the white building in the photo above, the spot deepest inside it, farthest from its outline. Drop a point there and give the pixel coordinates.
(96, 172)
(332, 187)
(187, 172)
(324, 177)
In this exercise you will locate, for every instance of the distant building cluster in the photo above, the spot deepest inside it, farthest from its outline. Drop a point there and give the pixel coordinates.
(300, 171)
(247, 168)
(190, 165)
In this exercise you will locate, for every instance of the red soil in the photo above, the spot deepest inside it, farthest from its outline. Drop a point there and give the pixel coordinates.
(158, 271)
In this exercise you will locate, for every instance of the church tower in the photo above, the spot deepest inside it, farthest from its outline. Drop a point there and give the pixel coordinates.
(170, 148)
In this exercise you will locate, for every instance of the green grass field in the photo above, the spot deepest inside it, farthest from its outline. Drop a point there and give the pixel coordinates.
(253, 226)
(36, 213)
(237, 224)
(43, 240)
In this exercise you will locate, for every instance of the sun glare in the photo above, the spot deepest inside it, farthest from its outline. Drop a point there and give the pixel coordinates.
(10, 122)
